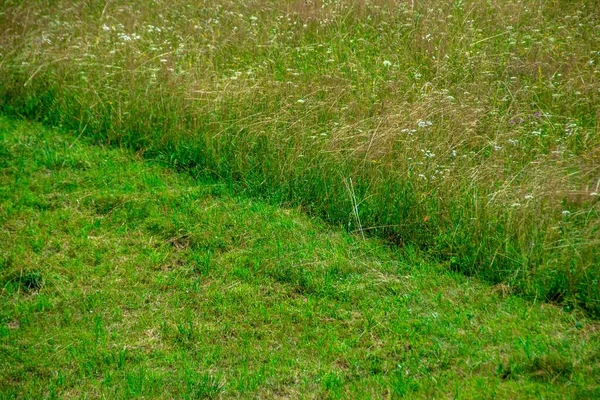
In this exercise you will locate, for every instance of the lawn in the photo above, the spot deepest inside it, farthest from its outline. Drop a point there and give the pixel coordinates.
(121, 278)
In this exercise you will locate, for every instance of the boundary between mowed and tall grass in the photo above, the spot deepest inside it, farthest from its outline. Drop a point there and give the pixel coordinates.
(271, 139)
(467, 249)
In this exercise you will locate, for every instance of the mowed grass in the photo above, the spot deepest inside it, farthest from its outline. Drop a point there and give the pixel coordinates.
(468, 128)
(121, 279)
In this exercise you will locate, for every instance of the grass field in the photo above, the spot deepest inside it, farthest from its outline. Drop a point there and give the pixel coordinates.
(122, 279)
(466, 128)
(300, 198)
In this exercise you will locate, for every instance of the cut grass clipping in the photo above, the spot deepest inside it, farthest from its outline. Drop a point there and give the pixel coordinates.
(121, 279)
(468, 128)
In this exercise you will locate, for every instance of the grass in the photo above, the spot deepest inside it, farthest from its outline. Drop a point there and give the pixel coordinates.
(464, 134)
(122, 279)
(469, 129)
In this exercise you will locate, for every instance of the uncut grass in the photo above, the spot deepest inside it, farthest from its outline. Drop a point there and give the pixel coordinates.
(121, 279)
(469, 129)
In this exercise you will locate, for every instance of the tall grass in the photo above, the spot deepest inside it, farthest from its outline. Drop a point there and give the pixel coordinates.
(468, 128)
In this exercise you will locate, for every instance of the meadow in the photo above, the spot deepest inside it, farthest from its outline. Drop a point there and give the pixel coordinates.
(468, 129)
(463, 134)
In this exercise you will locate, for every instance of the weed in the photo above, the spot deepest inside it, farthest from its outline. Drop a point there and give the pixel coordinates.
(24, 281)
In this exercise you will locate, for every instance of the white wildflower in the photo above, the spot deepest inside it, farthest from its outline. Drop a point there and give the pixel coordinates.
(124, 37)
(387, 63)
(424, 124)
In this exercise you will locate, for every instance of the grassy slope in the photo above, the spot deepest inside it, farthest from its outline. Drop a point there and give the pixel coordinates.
(480, 117)
(124, 279)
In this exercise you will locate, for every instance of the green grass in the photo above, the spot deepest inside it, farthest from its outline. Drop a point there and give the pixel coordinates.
(469, 128)
(121, 279)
